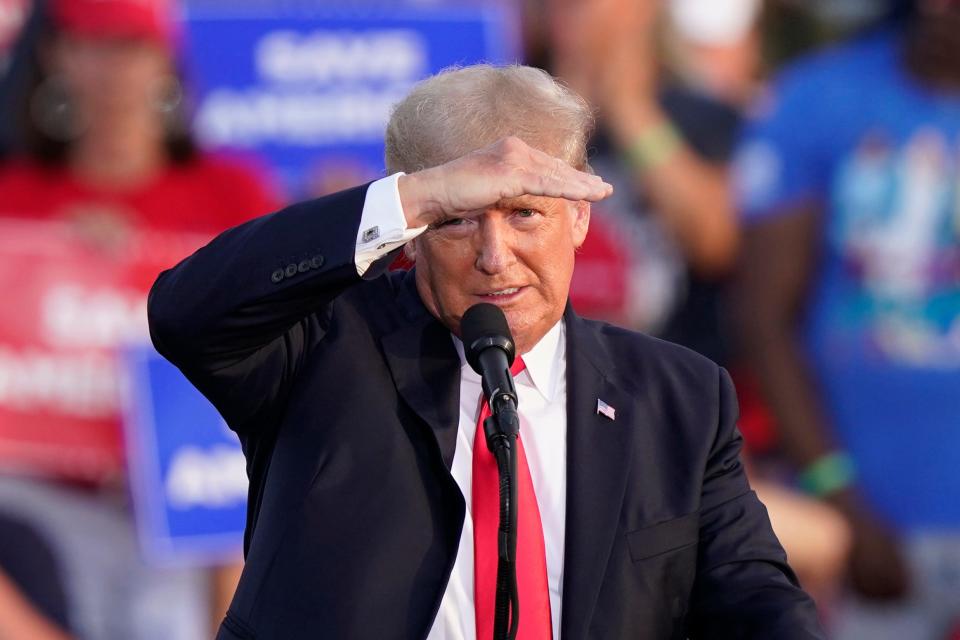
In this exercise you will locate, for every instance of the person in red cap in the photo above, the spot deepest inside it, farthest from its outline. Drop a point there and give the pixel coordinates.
(105, 127)
(105, 145)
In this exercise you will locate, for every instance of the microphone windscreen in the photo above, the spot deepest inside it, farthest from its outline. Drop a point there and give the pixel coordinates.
(484, 325)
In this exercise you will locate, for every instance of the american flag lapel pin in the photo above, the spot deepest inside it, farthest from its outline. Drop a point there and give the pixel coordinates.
(603, 409)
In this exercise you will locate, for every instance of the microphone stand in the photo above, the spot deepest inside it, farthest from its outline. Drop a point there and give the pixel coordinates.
(501, 430)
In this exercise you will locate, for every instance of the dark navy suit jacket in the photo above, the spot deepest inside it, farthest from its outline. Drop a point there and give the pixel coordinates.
(344, 393)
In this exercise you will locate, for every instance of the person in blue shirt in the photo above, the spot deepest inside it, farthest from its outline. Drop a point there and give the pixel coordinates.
(848, 179)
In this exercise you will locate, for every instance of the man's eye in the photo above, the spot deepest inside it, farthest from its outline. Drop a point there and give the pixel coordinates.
(449, 222)
(526, 213)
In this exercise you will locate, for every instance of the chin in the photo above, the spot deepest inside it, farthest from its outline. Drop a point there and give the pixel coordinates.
(527, 334)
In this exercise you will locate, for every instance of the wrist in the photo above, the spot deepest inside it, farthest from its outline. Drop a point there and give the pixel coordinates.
(651, 146)
(628, 118)
(831, 476)
(644, 134)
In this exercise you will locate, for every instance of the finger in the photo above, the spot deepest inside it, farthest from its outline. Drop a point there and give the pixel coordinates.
(568, 183)
(524, 170)
(590, 188)
(572, 186)
(558, 171)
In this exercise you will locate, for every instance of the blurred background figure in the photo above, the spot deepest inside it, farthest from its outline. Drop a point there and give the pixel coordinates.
(670, 81)
(102, 128)
(102, 144)
(665, 143)
(850, 302)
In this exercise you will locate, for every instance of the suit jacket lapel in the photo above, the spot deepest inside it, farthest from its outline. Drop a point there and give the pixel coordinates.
(426, 368)
(599, 452)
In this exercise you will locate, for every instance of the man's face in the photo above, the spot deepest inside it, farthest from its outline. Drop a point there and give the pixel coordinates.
(517, 254)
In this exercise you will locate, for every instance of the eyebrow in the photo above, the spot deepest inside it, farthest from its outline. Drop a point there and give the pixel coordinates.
(521, 202)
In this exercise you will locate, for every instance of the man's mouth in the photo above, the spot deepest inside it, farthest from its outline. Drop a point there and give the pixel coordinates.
(502, 295)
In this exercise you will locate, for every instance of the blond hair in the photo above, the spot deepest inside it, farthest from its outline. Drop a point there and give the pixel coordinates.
(462, 109)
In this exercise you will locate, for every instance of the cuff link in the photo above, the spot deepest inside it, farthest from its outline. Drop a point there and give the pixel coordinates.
(369, 235)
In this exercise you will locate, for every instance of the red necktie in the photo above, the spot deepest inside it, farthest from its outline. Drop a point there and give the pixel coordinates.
(531, 556)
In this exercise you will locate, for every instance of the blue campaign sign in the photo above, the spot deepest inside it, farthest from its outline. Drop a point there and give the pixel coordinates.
(309, 86)
(186, 468)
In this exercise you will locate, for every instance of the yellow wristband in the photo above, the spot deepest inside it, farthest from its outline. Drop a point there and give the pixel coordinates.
(654, 146)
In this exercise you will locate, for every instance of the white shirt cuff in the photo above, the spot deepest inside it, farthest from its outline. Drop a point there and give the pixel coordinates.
(383, 227)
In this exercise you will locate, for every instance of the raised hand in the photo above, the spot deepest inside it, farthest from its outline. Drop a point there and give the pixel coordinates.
(508, 168)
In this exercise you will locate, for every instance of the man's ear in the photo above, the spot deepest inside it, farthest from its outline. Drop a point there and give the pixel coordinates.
(581, 222)
(410, 250)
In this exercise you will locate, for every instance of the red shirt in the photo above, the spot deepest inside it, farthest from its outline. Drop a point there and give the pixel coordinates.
(206, 195)
(85, 293)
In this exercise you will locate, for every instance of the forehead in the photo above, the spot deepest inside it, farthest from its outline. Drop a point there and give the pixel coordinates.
(442, 144)
(541, 203)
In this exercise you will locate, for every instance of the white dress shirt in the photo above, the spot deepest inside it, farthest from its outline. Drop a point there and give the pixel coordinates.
(542, 405)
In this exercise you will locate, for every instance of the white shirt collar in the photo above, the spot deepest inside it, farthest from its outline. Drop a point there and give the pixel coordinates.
(544, 362)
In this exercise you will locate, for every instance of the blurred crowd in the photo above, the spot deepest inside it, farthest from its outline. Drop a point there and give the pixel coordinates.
(787, 203)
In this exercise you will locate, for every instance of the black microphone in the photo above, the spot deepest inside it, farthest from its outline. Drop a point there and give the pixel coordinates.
(489, 348)
(490, 351)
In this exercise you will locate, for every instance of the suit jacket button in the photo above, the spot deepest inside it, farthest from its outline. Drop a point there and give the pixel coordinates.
(304, 266)
(291, 270)
(316, 261)
(277, 276)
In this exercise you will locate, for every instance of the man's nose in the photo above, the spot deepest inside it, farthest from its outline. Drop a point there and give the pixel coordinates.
(494, 246)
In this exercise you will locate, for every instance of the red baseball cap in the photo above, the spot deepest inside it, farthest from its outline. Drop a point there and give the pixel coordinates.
(141, 19)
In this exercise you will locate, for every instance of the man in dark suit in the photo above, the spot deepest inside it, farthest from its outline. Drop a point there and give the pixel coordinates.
(357, 414)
